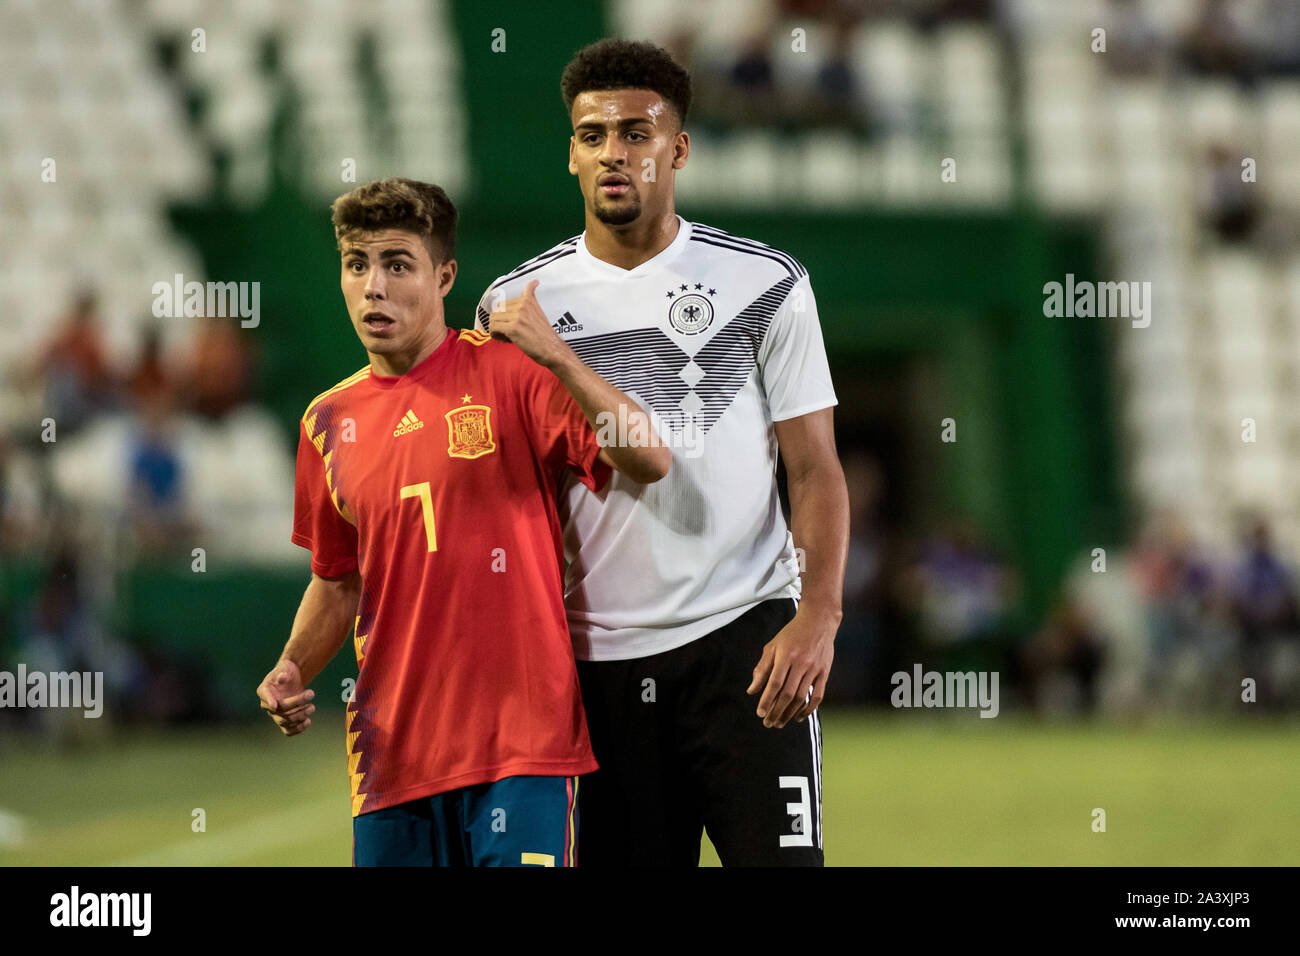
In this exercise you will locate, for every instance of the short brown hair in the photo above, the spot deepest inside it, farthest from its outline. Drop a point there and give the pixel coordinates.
(399, 203)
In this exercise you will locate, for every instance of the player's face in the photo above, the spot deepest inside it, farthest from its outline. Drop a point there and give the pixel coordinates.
(394, 291)
(625, 149)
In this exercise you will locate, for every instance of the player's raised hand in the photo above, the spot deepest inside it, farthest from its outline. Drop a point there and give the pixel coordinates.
(283, 697)
(523, 322)
(792, 671)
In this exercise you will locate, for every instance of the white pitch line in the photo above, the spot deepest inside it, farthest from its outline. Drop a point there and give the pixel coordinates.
(221, 847)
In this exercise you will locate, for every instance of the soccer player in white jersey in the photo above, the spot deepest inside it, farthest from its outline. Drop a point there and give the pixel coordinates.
(702, 655)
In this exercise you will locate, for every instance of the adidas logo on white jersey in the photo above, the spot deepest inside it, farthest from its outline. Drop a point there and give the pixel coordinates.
(567, 323)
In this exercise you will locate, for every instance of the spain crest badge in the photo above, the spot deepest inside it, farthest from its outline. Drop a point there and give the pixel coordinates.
(469, 431)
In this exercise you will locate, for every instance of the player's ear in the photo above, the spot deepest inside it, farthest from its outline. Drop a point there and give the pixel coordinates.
(446, 277)
(681, 149)
(573, 167)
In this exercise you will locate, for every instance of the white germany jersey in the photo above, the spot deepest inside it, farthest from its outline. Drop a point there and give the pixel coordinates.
(718, 337)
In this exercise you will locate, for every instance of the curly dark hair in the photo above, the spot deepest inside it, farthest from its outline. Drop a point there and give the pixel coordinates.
(612, 64)
(399, 203)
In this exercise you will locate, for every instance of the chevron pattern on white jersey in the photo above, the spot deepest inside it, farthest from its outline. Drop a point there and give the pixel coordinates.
(718, 336)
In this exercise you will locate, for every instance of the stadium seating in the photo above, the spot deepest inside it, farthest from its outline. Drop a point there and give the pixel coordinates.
(95, 98)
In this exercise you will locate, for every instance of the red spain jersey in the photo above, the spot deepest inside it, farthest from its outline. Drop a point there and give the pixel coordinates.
(440, 486)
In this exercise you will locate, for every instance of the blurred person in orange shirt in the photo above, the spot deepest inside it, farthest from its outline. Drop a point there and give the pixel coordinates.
(220, 373)
(73, 369)
(151, 382)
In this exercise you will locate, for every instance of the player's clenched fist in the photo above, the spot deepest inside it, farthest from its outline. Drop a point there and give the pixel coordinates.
(282, 695)
(523, 322)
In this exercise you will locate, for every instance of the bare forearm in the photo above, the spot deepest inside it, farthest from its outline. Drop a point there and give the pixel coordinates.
(636, 449)
(325, 616)
(819, 518)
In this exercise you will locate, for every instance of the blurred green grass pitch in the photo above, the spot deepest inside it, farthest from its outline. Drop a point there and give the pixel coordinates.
(900, 789)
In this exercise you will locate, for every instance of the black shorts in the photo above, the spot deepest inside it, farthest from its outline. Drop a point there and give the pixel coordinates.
(681, 749)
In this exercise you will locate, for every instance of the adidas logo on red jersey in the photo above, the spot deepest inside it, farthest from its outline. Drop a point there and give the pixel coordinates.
(409, 423)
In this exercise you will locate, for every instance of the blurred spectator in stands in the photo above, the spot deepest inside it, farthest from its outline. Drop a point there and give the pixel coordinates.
(150, 383)
(73, 368)
(221, 369)
(928, 14)
(1217, 45)
(22, 499)
(681, 46)
(155, 509)
(174, 687)
(963, 591)
(709, 81)
(836, 97)
(807, 8)
(58, 635)
(1176, 584)
(61, 631)
(1281, 37)
(1265, 606)
(1229, 206)
(751, 96)
(58, 632)
(155, 512)
(1133, 46)
(1062, 663)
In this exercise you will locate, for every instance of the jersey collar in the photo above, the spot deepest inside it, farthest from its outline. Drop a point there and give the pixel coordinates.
(609, 270)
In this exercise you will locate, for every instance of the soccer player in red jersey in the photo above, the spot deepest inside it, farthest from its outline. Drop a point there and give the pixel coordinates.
(426, 493)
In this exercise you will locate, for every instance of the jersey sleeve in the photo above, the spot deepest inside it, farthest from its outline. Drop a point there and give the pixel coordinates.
(560, 432)
(792, 359)
(317, 524)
